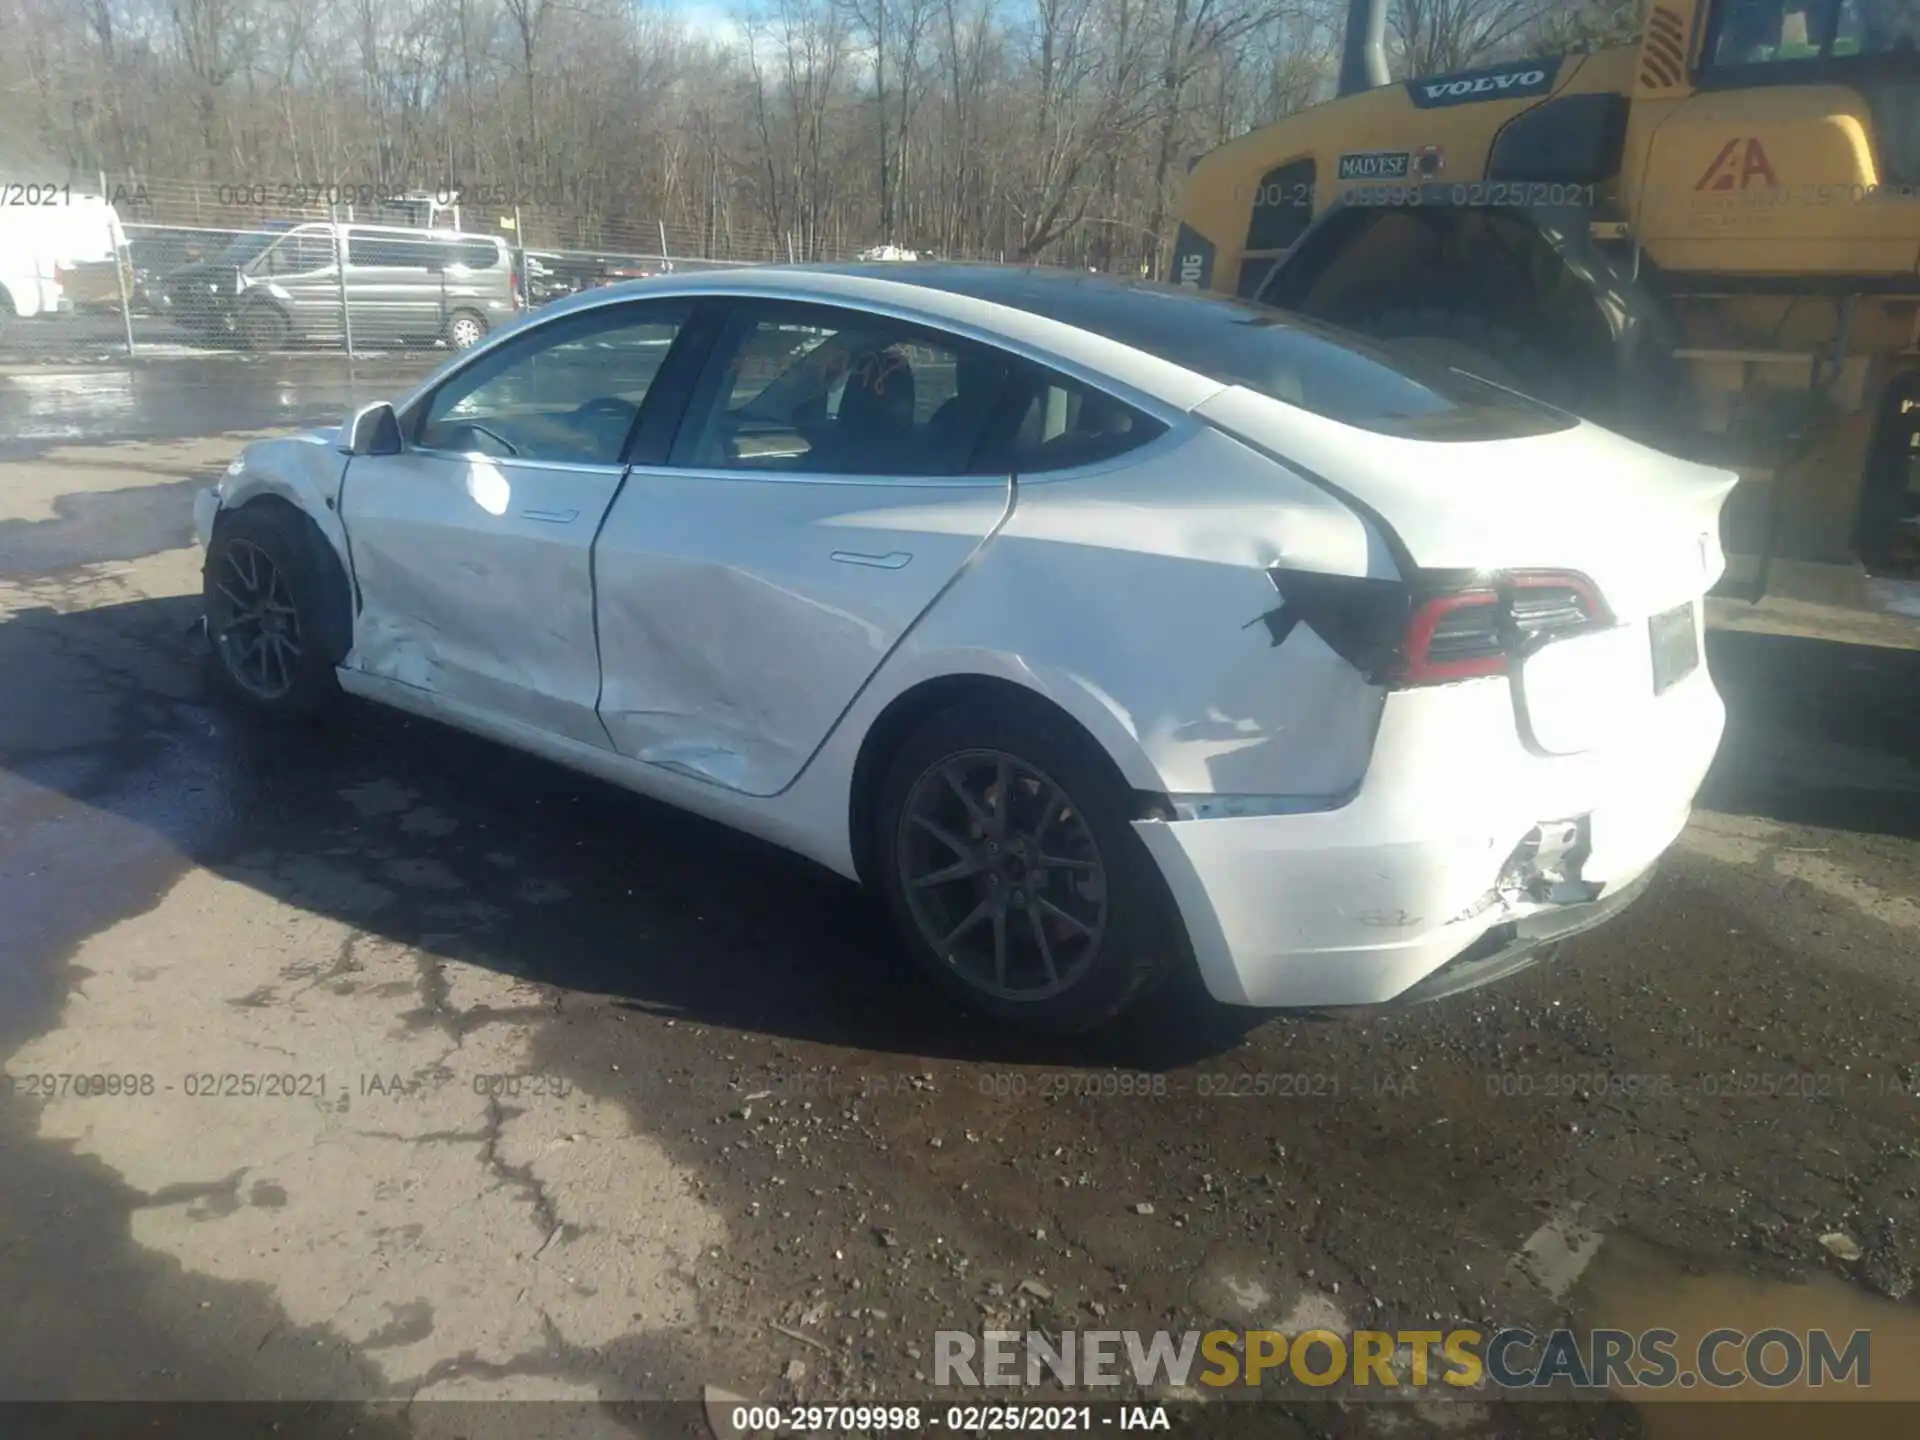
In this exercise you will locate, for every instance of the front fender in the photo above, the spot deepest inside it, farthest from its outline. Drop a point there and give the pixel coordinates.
(304, 472)
(271, 289)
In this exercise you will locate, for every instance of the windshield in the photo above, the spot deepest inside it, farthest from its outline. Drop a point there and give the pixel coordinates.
(245, 247)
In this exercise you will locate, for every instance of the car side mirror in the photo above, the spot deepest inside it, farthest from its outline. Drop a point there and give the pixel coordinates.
(371, 430)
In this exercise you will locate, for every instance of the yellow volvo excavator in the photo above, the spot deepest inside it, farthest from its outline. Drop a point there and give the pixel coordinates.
(1710, 240)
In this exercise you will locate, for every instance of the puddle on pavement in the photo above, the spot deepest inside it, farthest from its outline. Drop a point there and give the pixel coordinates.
(62, 405)
(1636, 1287)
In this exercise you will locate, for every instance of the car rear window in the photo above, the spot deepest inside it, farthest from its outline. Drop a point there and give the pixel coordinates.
(1316, 367)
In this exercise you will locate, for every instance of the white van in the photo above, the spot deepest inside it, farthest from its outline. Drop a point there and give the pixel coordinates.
(50, 233)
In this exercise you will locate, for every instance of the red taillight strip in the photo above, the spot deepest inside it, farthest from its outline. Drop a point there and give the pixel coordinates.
(1420, 628)
(1418, 669)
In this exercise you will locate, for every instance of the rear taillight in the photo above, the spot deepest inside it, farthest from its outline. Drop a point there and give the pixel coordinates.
(1454, 637)
(1467, 633)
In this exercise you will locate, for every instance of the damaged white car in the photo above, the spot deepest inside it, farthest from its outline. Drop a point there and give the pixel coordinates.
(1100, 627)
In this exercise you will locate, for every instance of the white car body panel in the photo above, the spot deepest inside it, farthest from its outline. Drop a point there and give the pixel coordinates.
(741, 612)
(1644, 526)
(1152, 615)
(725, 641)
(476, 578)
(303, 470)
(1353, 906)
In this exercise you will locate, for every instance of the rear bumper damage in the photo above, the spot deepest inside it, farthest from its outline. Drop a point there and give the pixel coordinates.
(1516, 945)
(1461, 858)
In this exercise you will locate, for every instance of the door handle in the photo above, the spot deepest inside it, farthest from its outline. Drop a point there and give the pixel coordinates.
(552, 517)
(892, 560)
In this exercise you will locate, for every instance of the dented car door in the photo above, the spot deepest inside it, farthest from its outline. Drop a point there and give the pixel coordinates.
(473, 547)
(817, 500)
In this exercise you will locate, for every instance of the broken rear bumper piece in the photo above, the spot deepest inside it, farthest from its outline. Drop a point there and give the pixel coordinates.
(1516, 945)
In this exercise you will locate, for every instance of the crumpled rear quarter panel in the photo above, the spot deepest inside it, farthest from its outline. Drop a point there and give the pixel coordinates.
(1138, 591)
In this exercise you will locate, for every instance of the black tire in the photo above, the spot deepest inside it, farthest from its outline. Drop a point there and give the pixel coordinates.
(262, 325)
(278, 536)
(1141, 939)
(465, 329)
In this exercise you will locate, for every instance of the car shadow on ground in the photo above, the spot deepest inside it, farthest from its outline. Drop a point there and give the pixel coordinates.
(491, 858)
(488, 857)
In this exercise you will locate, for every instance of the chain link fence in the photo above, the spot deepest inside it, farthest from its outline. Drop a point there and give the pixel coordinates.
(207, 267)
(307, 286)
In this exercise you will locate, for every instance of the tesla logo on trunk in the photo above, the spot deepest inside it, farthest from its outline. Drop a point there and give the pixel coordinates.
(1725, 174)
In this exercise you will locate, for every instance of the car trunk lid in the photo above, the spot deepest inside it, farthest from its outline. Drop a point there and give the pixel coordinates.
(1641, 526)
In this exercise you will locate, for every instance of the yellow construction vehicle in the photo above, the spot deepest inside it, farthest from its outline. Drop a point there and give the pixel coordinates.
(1710, 240)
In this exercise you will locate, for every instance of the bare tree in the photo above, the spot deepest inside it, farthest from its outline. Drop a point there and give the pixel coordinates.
(1434, 36)
(213, 37)
(1026, 129)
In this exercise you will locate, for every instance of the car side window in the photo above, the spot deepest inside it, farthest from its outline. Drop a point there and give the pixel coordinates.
(473, 254)
(300, 253)
(1058, 424)
(568, 391)
(819, 390)
(392, 252)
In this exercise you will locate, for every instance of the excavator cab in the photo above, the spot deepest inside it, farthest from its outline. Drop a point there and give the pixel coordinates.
(1709, 240)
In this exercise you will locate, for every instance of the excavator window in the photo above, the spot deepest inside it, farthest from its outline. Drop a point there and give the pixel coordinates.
(1745, 35)
(1763, 32)
(1876, 27)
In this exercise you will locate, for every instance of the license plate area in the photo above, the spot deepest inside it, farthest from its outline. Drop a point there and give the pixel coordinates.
(1675, 638)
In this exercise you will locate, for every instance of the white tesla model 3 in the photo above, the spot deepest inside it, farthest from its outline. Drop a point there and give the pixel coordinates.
(1101, 628)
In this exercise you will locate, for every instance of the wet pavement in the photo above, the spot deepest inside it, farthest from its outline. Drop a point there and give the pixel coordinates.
(436, 1072)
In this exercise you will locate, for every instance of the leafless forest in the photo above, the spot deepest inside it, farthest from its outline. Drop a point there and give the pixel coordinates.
(1050, 129)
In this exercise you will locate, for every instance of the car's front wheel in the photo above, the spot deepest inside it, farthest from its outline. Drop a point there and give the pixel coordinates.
(262, 594)
(263, 326)
(1006, 854)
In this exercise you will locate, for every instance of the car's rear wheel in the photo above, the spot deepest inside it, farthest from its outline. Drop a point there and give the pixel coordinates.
(1007, 858)
(465, 329)
(262, 594)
